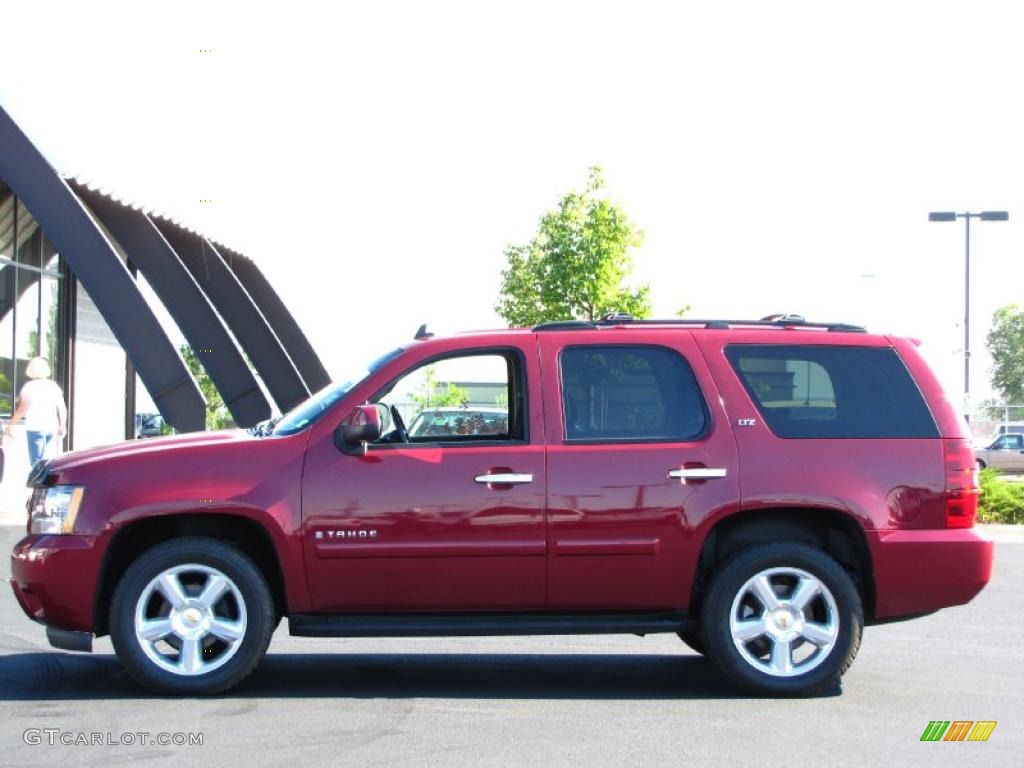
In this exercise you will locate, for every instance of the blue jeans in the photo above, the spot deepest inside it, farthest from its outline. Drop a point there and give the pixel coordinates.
(38, 445)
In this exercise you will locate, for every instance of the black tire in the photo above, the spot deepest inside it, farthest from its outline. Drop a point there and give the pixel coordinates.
(730, 578)
(981, 464)
(693, 640)
(258, 605)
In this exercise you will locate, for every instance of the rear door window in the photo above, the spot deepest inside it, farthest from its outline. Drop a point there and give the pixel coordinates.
(805, 391)
(630, 393)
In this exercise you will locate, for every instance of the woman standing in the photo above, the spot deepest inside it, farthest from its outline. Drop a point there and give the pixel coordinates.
(42, 404)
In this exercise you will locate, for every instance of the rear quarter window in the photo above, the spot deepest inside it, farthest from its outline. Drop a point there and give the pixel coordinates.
(805, 391)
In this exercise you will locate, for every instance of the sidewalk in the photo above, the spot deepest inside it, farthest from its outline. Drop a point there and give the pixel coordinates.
(13, 493)
(1003, 534)
(16, 516)
(12, 505)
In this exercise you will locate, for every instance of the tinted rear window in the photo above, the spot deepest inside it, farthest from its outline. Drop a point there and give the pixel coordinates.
(832, 392)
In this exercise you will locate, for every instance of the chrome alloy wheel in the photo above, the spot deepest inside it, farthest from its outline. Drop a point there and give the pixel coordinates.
(784, 621)
(190, 619)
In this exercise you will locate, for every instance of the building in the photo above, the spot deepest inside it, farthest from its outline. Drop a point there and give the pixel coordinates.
(102, 290)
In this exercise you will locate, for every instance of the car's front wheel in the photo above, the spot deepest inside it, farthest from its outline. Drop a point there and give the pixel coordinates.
(782, 619)
(192, 616)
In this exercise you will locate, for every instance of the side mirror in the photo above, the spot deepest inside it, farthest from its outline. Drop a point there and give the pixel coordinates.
(362, 426)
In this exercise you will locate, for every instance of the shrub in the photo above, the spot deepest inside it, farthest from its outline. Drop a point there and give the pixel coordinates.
(1000, 501)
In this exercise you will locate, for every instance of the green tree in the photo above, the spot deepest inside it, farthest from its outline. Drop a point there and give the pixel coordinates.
(6, 396)
(216, 412)
(574, 267)
(433, 394)
(1006, 345)
(51, 337)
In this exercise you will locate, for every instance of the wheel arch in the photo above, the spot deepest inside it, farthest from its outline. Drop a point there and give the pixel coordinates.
(837, 534)
(131, 540)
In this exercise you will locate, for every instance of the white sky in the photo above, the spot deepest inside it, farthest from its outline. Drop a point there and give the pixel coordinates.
(375, 159)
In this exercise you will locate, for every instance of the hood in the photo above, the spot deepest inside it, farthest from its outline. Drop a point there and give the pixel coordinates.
(153, 445)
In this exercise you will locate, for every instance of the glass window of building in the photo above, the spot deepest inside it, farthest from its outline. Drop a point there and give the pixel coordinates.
(30, 278)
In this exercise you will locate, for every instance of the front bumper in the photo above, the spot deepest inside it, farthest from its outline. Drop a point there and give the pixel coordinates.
(54, 579)
(922, 571)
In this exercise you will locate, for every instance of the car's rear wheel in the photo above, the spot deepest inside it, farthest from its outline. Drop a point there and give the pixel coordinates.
(192, 616)
(782, 619)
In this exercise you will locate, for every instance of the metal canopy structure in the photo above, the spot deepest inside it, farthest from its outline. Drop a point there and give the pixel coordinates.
(241, 315)
(147, 249)
(95, 263)
(229, 313)
(280, 320)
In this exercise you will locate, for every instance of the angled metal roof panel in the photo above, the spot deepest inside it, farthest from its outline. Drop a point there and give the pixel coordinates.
(177, 289)
(281, 321)
(95, 263)
(236, 307)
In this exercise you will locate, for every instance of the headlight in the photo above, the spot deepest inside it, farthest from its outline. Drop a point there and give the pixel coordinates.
(53, 510)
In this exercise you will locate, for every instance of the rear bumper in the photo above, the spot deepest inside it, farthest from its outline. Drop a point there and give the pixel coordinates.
(922, 571)
(54, 579)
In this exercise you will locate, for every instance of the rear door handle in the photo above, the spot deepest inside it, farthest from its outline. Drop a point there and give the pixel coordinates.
(504, 478)
(697, 473)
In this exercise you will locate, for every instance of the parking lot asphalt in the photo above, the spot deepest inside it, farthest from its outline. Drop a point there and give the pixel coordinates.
(595, 700)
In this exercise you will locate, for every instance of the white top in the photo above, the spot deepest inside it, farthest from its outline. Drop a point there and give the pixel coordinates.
(44, 398)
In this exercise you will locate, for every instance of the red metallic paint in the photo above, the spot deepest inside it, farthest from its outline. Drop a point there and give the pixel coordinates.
(921, 571)
(854, 477)
(228, 472)
(54, 578)
(600, 527)
(443, 541)
(885, 485)
(627, 525)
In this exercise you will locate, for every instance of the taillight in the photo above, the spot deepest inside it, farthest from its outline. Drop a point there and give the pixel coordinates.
(961, 483)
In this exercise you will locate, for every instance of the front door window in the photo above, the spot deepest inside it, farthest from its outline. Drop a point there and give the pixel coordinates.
(455, 399)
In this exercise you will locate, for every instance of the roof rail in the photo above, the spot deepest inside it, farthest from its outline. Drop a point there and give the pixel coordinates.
(772, 321)
(565, 325)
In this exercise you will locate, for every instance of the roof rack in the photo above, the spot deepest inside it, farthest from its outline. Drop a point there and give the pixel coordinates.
(565, 325)
(771, 321)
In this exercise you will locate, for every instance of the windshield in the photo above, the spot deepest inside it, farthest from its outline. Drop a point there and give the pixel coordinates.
(309, 411)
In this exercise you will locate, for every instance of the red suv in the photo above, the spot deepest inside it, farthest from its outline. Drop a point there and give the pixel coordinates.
(763, 489)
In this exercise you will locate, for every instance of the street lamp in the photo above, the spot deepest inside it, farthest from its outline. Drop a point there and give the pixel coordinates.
(967, 216)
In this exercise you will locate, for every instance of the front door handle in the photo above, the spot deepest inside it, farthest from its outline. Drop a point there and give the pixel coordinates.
(697, 473)
(504, 478)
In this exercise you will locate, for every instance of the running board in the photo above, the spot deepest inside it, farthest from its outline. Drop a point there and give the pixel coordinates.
(463, 624)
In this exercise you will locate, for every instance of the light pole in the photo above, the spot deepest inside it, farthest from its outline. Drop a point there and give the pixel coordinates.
(967, 216)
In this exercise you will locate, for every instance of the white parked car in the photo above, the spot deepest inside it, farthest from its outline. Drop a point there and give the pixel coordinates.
(1005, 452)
